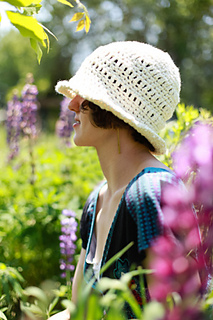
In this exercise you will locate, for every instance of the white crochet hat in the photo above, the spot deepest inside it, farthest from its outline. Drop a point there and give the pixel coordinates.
(137, 82)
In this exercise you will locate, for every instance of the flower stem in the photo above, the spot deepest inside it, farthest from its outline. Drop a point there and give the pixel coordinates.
(69, 285)
(32, 161)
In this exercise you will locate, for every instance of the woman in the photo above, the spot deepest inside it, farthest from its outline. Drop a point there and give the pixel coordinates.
(122, 95)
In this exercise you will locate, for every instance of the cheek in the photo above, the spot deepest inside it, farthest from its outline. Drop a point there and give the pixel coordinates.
(85, 134)
(87, 122)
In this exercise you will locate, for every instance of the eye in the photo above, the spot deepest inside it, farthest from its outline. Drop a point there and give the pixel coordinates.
(84, 105)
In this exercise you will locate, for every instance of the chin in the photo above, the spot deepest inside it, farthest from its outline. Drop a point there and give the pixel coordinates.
(79, 142)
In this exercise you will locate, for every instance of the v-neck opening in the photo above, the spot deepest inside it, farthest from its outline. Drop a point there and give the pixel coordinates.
(95, 200)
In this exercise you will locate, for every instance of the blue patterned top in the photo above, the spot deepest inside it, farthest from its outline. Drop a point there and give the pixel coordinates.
(138, 219)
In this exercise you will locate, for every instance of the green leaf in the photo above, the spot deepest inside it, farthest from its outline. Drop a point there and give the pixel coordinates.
(154, 311)
(36, 47)
(32, 310)
(115, 284)
(18, 289)
(6, 288)
(93, 308)
(52, 305)
(68, 304)
(209, 301)
(66, 2)
(52, 34)
(3, 266)
(31, 10)
(15, 274)
(77, 16)
(2, 297)
(2, 316)
(28, 26)
(37, 293)
(115, 257)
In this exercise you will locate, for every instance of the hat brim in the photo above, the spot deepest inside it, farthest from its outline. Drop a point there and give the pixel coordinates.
(72, 88)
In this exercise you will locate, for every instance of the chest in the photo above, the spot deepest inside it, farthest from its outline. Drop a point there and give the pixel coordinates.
(105, 214)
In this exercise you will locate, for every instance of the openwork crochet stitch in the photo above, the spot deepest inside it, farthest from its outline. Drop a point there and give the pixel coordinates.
(137, 82)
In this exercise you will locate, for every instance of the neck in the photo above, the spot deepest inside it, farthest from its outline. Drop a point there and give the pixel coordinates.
(120, 168)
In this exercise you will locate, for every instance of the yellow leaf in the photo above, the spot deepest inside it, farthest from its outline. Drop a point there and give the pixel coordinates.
(28, 26)
(87, 23)
(66, 2)
(80, 25)
(23, 3)
(77, 16)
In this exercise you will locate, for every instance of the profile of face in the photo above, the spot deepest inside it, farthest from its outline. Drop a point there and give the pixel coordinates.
(86, 133)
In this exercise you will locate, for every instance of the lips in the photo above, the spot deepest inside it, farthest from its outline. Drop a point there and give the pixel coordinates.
(77, 122)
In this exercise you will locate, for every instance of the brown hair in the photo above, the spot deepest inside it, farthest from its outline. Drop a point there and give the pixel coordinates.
(107, 120)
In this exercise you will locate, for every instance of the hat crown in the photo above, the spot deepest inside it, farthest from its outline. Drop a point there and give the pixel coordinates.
(141, 74)
(137, 82)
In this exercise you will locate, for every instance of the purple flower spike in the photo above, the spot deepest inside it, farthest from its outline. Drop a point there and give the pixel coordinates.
(68, 213)
(64, 124)
(14, 115)
(67, 239)
(29, 108)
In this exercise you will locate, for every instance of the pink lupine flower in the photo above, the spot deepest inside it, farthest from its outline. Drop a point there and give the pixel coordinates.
(188, 313)
(182, 252)
(199, 146)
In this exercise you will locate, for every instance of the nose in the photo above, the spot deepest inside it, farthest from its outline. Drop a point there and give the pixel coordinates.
(75, 103)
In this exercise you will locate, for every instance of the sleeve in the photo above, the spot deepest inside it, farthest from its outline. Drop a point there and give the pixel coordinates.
(85, 224)
(87, 215)
(143, 201)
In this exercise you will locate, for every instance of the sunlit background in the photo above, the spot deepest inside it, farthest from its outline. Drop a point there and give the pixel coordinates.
(183, 28)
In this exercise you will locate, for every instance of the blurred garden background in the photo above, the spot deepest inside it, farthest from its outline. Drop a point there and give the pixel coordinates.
(44, 178)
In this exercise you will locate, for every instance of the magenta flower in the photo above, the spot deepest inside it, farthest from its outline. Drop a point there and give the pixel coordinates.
(197, 148)
(174, 271)
(182, 252)
(67, 241)
(188, 313)
(64, 124)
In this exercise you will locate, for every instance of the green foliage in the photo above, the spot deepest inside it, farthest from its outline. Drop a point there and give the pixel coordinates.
(27, 25)
(175, 130)
(92, 304)
(42, 306)
(23, 19)
(30, 214)
(30, 226)
(162, 23)
(10, 290)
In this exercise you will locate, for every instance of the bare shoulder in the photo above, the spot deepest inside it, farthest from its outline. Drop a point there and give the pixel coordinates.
(155, 163)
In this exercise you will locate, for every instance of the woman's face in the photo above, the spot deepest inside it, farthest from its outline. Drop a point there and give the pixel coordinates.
(86, 134)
